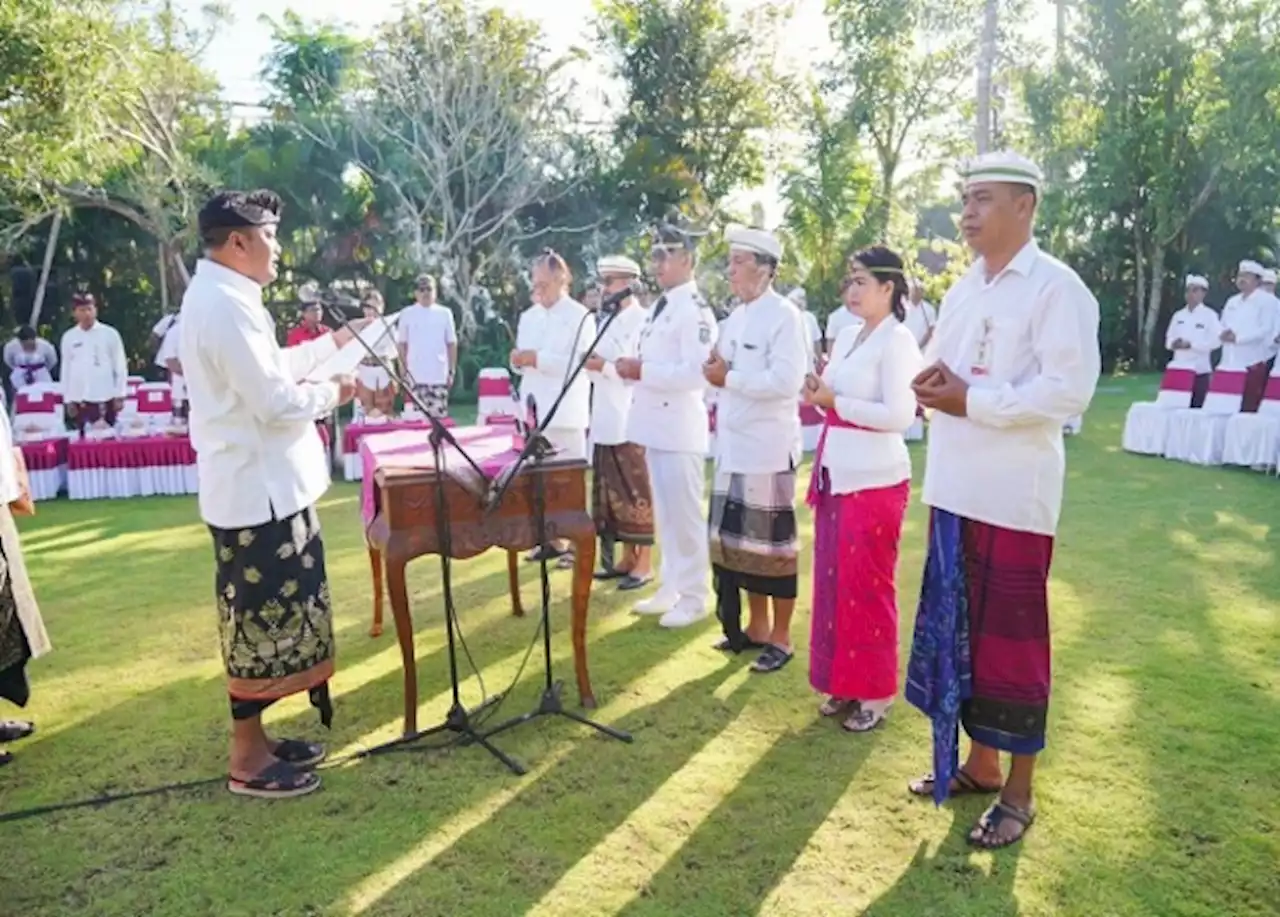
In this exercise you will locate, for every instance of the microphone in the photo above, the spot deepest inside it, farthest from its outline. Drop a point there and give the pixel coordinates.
(531, 411)
(613, 300)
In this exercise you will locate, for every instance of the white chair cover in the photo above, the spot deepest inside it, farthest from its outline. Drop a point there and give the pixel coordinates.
(1253, 440)
(155, 402)
(494, 390)
(1146, 425)
(38, 412)
(1198, 436)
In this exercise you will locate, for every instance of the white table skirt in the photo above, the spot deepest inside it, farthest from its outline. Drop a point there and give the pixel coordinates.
(122, 483)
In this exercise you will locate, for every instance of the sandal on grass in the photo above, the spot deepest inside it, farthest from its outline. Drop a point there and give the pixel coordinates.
(13, 730)
(987, 835)
(864, 719)
(772, 659)
(963, 785)
(299, 753)
(279, 781)
(834, 706)
(725, 645)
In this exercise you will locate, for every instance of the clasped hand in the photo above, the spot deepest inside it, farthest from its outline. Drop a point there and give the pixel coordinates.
(940, 389)
(817, 393)
(715, 369)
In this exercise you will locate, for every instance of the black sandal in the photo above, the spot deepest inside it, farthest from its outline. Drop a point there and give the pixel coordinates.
(13, 730)
(299, 753)
(864, 719)
(772, 659)
(279, 781)
(965, 786)
(725, 645)
(631, 582)
(986, 833)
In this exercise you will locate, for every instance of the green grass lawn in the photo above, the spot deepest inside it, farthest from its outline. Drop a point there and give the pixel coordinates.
(1159, 793)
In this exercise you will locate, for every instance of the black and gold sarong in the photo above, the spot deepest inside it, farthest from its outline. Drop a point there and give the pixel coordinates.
(622, 503)
(274, 614)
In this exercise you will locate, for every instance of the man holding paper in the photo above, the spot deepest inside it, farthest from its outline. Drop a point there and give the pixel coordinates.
(262, 468)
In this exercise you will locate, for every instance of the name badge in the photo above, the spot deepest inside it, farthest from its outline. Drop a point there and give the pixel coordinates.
(981, 364)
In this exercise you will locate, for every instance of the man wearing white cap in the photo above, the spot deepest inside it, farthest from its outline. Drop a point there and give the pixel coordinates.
(622, 503)
(921, 316)
(812, 332)
(1269, 285)
(1248, 331)
(1014, 355)
(1194, 334)
(669, 419)
(758, 368)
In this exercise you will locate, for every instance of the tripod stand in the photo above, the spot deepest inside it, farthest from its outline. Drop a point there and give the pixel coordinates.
(537, 448)
(459, 721)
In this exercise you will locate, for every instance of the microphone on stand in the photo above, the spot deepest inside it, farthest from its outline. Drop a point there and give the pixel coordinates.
(611, 302)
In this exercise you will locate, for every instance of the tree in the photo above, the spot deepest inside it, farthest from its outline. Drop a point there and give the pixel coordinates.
(698, 100)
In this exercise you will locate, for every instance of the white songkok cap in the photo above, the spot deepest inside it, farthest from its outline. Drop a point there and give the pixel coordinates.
(1195, 280)
(756, 241)
(1251, 267)
(617, 264)
(1268, 275)
(1006, 167)
(798, 297)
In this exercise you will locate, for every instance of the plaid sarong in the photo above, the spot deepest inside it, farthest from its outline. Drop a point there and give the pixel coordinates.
(752, 523)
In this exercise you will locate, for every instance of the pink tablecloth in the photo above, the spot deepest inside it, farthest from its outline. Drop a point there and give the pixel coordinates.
(144, 452)
(45, 454)
(494, 449)
(354, 433)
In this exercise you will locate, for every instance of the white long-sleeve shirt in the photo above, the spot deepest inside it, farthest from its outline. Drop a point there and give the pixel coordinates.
(757, 415)
(1199, 327)
(94, 368)
(1027, 344)
(872, 385)
(559, 336)
(611, 398)
(252, 422)
(42, 360)
(1252, 319)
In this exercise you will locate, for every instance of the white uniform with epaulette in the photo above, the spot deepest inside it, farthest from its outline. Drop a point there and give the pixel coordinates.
(669, 418)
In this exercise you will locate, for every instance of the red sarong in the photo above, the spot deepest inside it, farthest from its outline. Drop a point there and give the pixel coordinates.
(1255, 386)
(1007, 574)
(853, 641)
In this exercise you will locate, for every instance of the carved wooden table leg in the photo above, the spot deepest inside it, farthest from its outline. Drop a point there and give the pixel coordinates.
(375, 565)
(399, 593)
(584, 560)
(513, 582)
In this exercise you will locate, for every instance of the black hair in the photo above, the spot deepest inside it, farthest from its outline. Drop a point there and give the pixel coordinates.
(767, 261)
(229, 211)
(886, 266)
(26, 333)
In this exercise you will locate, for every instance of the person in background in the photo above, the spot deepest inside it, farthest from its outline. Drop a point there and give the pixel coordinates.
(622, 503)
(30, 359)
(22, 633)
(262, 468)
(920, 316)
(1248, 330)
(94, 368)
(551, 339)
(591, 298)
(428, 340)
(757, 368)
(812, 332)
(374, 387)
(858, 489)
(310, 327)
(1014, 355)
(1193, 335)
(167, 356)
(160, 334)
(1269, 286)
(669, 419)
(841, 318)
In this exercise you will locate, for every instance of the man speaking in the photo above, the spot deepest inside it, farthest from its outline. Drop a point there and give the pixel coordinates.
(262, 468)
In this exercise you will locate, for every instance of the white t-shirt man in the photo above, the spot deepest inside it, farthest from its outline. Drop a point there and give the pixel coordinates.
(168, 343)
(426, 332)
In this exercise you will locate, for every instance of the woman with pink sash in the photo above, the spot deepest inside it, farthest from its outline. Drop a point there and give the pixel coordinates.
(859, 488)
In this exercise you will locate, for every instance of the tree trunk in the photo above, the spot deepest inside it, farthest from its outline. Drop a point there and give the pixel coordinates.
(1140, 279)
(50, 246)
(1149, 315)
(986, 64)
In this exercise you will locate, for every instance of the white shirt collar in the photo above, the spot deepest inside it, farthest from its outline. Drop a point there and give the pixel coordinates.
(1022, 263)
(222, 274)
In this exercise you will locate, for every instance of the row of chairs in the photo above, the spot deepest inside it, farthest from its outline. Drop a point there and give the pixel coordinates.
(1217, 433)
(39, 412)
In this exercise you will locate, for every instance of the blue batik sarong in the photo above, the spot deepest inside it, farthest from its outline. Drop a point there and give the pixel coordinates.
(940, 672)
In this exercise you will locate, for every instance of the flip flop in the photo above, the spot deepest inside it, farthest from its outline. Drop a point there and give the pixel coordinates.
(965, 786)
(725, 645)
(773, 659)
(300, 754)
(986, 833)
(864, 719)
(13, 730)
(279, 781)
(630, 582)
(608, 574)
(833, 706)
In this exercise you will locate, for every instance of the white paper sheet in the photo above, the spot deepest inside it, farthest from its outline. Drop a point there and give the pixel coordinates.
(381, 336)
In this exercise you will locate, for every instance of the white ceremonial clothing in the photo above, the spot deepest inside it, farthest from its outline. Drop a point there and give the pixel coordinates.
(678, 483)
(94, 368)
(757, 422)
(24, 598)
(1252, 318)
(560, 337)
(373, 376)
(872, 385)
(1027, 344)
(161, 330)
(813, 334)
(426, 333)
(169, 350)
(1200, 328)
(837, 321)
(569, 443)
(611, 395)
(920, 319)
(668, 410)
(258, 453)
(43, 359)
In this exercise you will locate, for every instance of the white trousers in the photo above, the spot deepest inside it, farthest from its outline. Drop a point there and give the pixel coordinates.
(678, 482)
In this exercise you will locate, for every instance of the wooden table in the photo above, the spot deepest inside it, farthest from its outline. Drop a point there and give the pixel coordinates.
(404, 527)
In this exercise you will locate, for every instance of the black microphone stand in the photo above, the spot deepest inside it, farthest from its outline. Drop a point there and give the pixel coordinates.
(537, 449)
(459, 720)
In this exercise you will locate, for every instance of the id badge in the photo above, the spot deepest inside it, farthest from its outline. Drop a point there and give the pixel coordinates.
(981, 364)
